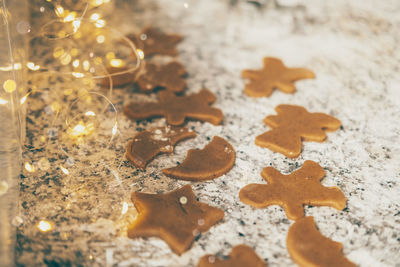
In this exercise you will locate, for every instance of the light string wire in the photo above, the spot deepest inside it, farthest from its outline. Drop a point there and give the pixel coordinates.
(85, 9)
(110, 29)
(107, 75)
(48, 72)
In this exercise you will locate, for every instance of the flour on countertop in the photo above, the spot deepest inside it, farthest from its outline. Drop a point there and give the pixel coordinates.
(352, 46)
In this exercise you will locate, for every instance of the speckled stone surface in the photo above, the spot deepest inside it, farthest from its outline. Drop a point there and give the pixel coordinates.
(352, 46)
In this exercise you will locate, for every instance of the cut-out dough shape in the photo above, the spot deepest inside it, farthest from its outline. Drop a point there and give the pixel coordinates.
(309, 248)
(169, 77)
(273, 75)
(146, 145)
(176, 217)
(214, 160)
(292, 191)
(292, 125)
(153, 41)
(177, 108)
(119, 80)
(240, 256)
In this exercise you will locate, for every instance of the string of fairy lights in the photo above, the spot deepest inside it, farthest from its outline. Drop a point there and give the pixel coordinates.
(70, 35)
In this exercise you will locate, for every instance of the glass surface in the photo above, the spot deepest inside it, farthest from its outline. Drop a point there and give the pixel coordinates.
(14, 27)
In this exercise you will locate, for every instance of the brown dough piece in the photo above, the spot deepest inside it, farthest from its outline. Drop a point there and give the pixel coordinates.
(147, 145)
(152, 41)
(119, 80)
(176, 217)
(292, 125)
(240, 256)
(273, 75)
(309, 248)
(177, 108)
(292, 191)
(169, 76)
(214, 160)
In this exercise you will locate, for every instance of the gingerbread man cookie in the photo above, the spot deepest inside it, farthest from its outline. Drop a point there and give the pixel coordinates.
(169, 77)
(176, 217)
(127, 77)
(152, 41)
(177, 108)
(274, 75)
(292, 125)
(292, 191)
(309, 248)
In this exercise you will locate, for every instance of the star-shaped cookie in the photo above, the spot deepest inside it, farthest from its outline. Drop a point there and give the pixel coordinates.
(177, 108)
(292, 191)
(240, 256)
(152, 41)
(308, 247)
(169, 76)
(274, 75)
(293, 124)
(176, 217)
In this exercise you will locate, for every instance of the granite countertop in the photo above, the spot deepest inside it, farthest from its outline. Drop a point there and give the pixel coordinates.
(352, 46)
